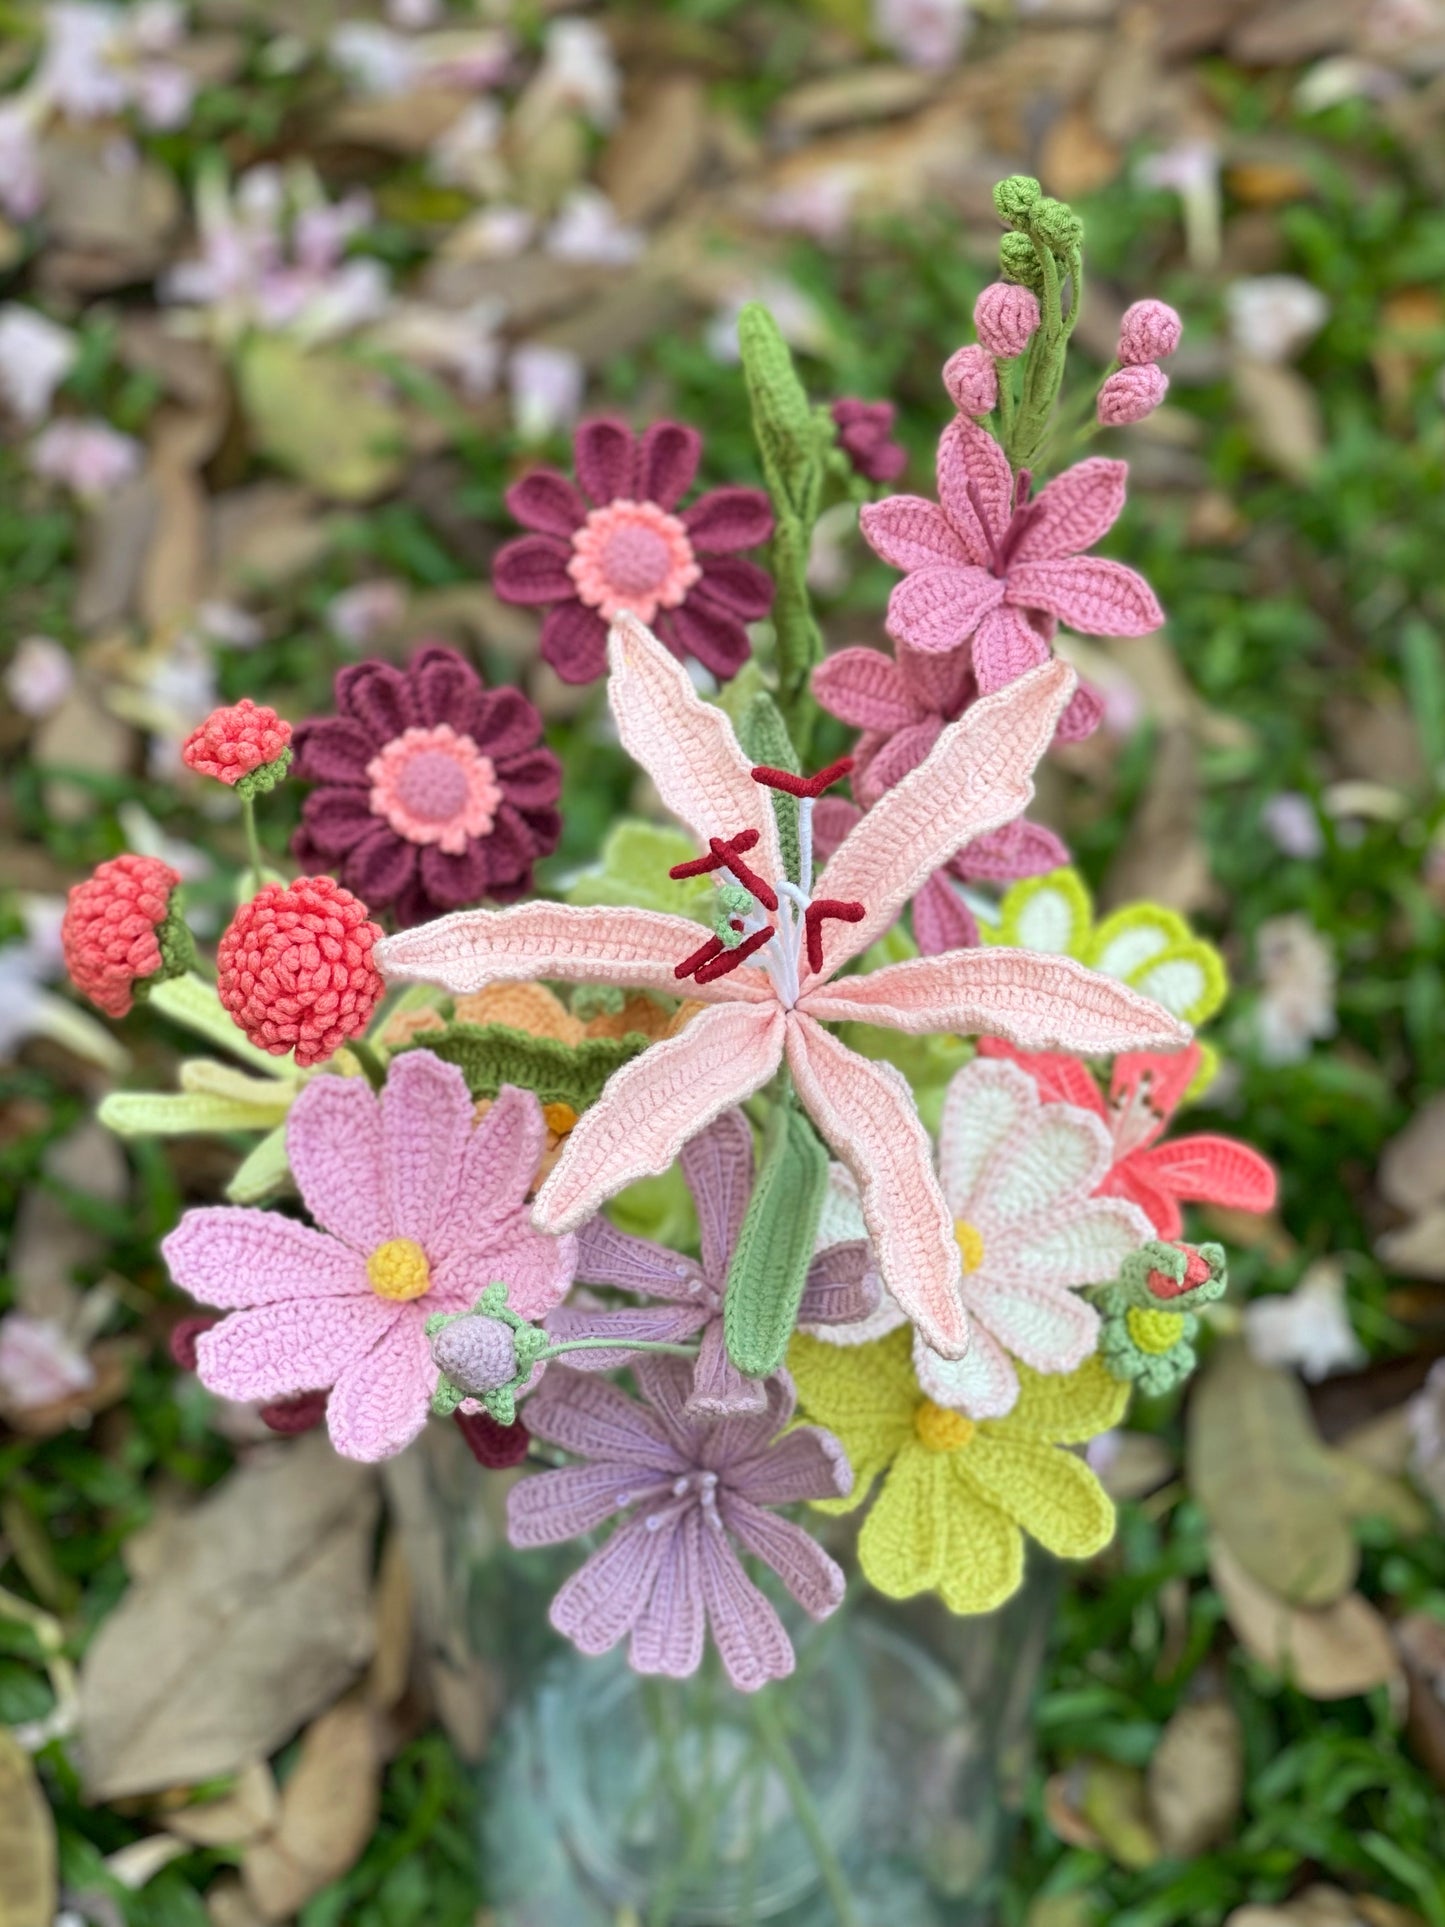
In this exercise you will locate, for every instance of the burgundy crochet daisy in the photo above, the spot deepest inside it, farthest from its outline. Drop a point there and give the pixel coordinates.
(433, 791)
(619, 543)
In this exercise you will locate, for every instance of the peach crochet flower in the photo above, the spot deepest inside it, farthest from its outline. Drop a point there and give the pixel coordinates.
(771, 995)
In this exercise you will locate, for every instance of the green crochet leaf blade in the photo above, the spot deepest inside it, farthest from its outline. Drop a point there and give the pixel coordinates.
(163, 1114)
(636, 858)
(491, 1055)
(262, 1172)
(764, 737)
(775, 1246)
(191, 1001)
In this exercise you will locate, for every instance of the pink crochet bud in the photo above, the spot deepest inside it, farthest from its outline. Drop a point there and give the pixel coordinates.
(1005, 317)
(1149, 331)
(476, 1354)
(972, 381)
(1131, 394)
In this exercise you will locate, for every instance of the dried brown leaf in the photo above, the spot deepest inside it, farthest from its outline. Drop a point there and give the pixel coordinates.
(1283, 416)
(1417, 1250)
(858, 94)
(247, 1813)
(1077, 159)
(80, 735)
(1164, 858)
(657, 150)
(405, 123)
(328, 1812)
(118, 534)
(1196, 1778)
(1293, 30)
(1332, 1653)
(28, 1890)
(1412, 1167)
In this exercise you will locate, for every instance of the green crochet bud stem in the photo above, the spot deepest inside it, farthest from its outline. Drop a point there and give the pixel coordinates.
(1015, 198)
(253, 841)
(770, 1260)
(615, 1345)
(372, 1067)
(765, 739)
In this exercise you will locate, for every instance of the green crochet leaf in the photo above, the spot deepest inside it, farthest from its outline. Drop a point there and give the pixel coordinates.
(491, 1055)
(636, 858)
(765, 739)
(775, 1246)
(262, 1172)
(162, 1114)
(191, 1001)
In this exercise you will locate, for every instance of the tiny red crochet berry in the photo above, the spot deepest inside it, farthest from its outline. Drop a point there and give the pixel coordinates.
(119, 933)
(295, 968)
(245, 745)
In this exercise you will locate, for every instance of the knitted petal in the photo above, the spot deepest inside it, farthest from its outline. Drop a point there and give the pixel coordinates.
(719, 1389)
(333, 749)
(380, 1402)
(834, 817)
(1057, 1077)
(1084, 1243)
(574, 641)
(1209, 1170)
(1074, 511)
(903, 1547)
(1083, 715)
(718, 1167)
(866, 1112)
(942, 921)
(655, 1103)
(969, 454)
(977, 776)
(1071, 1409)
(1051, 1494)
(984, 1384)
(603, 1600)
(665, 1324)
(711, 634)
(939, 608)
(378, 696)
(453, 882)
(336, 1148)
(381, 866)
(237, 1257)
(987, 1106)
(607, 1256)
(302, 1345)
(536, 1269)
(911, 533)
(805, 1463)
(729, 518)
(746, 1630)
(865, 688)
(865, 1395)
(532, 568)
(1037, 1001)
(337, 819)
(592, 1419)
(426, 1115)
(445, 687)
(637, 949)
(604, 454)
(1005, 648)
(546, 502)
(498, 1162)
(671, 452)
(1018, 849)
(668, 1635)
(815, 1581)
(986, 1554)
(504, 725)
(733, 584)
(1164, 1080)
(549, 1508)
(1048, 1328)
(1058, 1158)
(841, 1286)
(531, 781)
(1096, 597)
(687, 747)
(904, 751)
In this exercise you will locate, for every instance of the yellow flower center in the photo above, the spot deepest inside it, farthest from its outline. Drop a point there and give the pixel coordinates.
(1153, 1331)
(559, 1118)
(399, 1270)
(969, 1240)
(940, 1429)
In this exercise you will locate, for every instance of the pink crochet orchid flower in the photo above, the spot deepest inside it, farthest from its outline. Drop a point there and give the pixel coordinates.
(987, 561)
(773, 994)
(418, 1209)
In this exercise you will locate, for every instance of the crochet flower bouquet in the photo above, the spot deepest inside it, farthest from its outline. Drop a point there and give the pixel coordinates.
(686, 1196)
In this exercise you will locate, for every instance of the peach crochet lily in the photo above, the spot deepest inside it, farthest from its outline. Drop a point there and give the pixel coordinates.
(771, 995)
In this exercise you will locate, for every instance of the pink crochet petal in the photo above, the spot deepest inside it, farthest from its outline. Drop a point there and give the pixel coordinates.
(1048, 1328)
(607, 1256)
(549, 1508)
(977, 777)
(1132, 1181)
(333, 749)
(654, 1104)
(942, 921)
(806, 1463)
(671, 452)
(733, 584)
(532, 568)
(987, 1108)
(546, 502)
(686, 746)
(1060, 1079)
(1083, 715)
(235, 1257)
(603, 1600)
(604, 454)
(1096, 597)
(911, 533)
(1210, 1170)
(379, 1403)
(496, 1165)
(942, 683)
(815, 1581)
(300, 1346)
(904, 751)
(1166, 1080)
(637, 949)
(378, 695)
(1018, 849)
(718, 1167)
(593, 1419)
(834, 818)
(719, 1390)
(446, 688)
(983, 1383)
(968, 453)
(865, 1111)
(574, 641)
(939, 608)
(336, 1148)
(1074, 511)
(746, 1630)
(536, 1269)
(1038, 1002)
(729, 518)
(668, 1636)
(706, 631)
(865, 688)
(426, 1115)
(1005, 648)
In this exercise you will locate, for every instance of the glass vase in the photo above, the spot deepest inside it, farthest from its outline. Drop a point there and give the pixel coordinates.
(872, 1788)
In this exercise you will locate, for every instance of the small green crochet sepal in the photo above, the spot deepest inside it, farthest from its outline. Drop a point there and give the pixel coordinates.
(764, 738)
(794, 440)
(527, 1342)
(491, 1055)
(177, 947)
(264, 778)
(633, 873)
(1148, 1312)
(1044, 251)
(770, 1260)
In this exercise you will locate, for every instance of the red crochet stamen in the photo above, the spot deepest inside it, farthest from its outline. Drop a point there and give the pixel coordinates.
(812, 920)
(720, 966)
(800, 786)
(700, 866)
(727, 853)
(699, 957)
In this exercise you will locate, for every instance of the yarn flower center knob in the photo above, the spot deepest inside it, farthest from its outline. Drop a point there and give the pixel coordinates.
(632, 557)
(940, 1429)
(399, 1270)
(969, 1240)
(434, 786)
(1155, 1332)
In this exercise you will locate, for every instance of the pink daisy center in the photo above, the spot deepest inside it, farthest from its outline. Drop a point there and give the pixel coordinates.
(633, 558)
(434, 786)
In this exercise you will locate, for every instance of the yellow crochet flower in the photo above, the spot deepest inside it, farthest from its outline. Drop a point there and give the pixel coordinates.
(958, 1495)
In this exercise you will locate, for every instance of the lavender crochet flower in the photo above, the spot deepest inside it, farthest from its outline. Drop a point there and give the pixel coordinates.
(718, 1167)
(669, 1571)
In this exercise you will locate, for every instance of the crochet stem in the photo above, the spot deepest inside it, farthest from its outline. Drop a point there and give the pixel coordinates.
(253, 842)
(774, 1742)
(616, 1345)
(370, 1062)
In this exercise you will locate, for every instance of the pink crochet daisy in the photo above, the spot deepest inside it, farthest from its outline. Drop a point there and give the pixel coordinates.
(669, 1572)
(621, 546)
(986, 561)
(417, 1207)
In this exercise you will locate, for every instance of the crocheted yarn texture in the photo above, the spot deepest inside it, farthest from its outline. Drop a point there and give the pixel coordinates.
(111, 932)
(294, 968)
(246, 740)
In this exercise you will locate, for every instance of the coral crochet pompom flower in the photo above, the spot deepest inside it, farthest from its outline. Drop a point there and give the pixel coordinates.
(432, 791)
(620, 545)
(246, 746)
(118, 929)
(295, 968)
